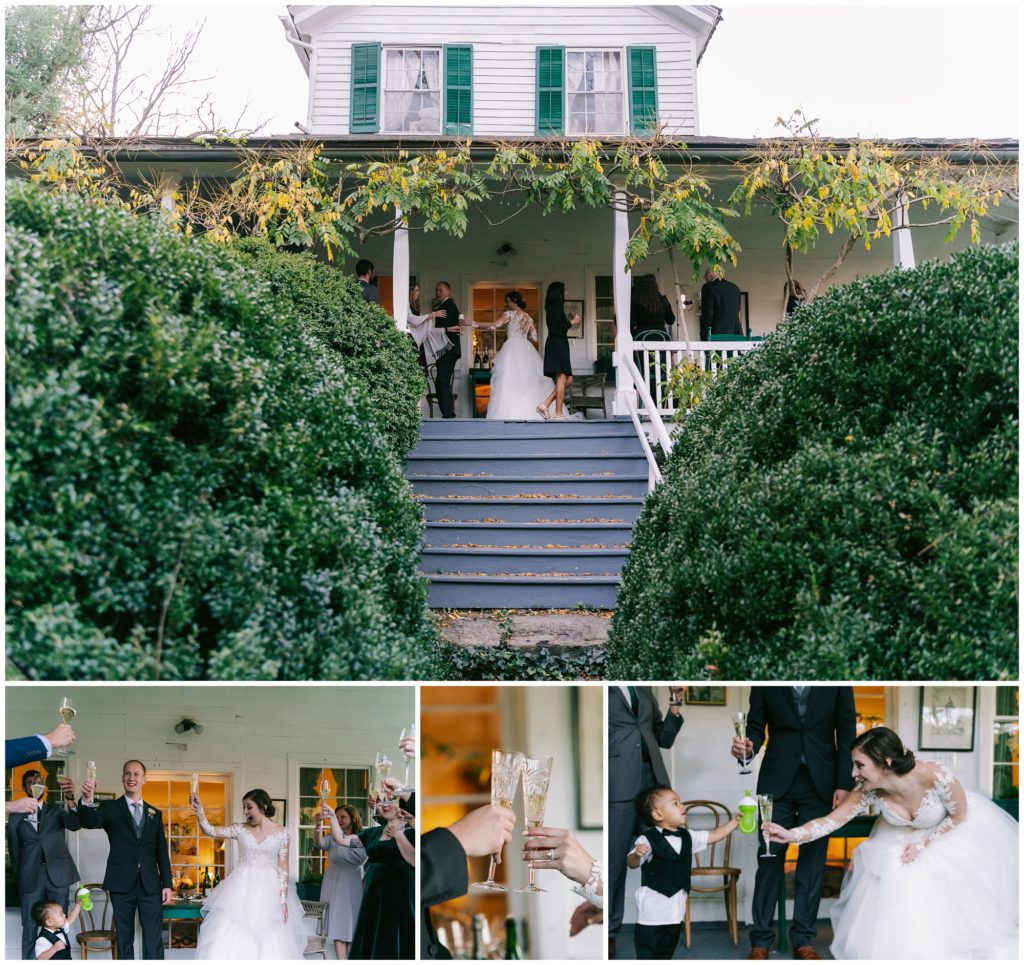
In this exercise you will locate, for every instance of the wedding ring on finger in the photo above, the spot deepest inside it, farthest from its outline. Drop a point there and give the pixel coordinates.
(551, 854)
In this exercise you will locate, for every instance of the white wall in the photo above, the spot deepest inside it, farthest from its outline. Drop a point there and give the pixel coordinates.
(257, 734)
(504, 57)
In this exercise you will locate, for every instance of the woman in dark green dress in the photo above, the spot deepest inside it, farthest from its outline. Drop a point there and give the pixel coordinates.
(556, 348)
(386, 924)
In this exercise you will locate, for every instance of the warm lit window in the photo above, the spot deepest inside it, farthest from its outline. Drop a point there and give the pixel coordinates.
(412, 90)
(348, 785)
(604, 307)
(594, 89)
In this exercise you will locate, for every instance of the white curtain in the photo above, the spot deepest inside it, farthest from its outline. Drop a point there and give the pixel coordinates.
(412, 95)
(594, 87)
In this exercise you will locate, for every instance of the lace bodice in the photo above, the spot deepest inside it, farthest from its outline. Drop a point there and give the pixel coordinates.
(519, 324)
(934, 814)
(270, 854)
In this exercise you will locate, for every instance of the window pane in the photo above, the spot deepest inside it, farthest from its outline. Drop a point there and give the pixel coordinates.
(1006, 783)
(1007, 702)
(1007, 746)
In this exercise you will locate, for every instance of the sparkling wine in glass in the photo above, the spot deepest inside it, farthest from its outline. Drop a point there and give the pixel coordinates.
(38, 790)
(764, 806)
(536, 777)
(410, 732)
(739, 722)
(67, 714)
(90, 775)
(506, 767)
(383, 767)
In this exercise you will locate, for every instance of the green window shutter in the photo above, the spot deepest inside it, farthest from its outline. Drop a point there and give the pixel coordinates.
(364, 111)
(643, 90)
(458, 90)
(550, 90)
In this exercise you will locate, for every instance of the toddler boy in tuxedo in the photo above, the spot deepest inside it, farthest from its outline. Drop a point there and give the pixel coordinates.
(664, 854)
(52, 941)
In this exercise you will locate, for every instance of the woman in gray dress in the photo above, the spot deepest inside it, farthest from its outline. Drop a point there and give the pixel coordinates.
(342, 888)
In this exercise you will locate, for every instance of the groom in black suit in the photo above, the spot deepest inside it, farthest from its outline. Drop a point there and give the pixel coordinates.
(40, 857)
(138, 873)
(807, 770)
(446, 363)
(636, 734)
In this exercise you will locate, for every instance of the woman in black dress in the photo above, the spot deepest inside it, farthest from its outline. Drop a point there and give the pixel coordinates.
(556, 348)
(386, 925)
(649, 310)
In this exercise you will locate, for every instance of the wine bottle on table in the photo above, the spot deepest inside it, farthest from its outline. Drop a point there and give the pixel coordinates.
(216, 876)
(512, 951)
(479, 942)
(206, 882)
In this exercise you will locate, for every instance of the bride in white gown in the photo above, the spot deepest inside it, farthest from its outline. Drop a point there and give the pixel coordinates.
(518, 381)
(255, 912)
(936, 879)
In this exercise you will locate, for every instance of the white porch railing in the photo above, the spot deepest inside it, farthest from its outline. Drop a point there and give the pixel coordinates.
(652, 400)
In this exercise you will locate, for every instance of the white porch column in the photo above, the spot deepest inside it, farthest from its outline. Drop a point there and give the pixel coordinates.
(621, 285)
(400, 272)
(902, 243)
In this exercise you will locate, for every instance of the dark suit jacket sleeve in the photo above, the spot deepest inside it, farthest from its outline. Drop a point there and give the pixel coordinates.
(23, 750)
(451, 314)
(756, 719)
(670, 316)
(13, 844)
(91, 818)
(69, 819)
(163, 857)
(443, 871)
(667, 728)
(846, 733)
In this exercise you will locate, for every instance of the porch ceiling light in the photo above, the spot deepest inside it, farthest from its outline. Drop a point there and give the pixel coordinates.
(507, 249)
(188, 724)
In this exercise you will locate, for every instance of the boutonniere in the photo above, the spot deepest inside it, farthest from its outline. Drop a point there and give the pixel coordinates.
(150, 812)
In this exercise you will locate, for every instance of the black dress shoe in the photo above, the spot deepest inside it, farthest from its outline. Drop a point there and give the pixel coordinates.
(611, 947)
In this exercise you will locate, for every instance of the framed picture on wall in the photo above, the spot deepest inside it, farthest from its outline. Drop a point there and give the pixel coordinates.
(709, 696)
(280, 810)
(104, 796)
(574, 307)
(947, 718)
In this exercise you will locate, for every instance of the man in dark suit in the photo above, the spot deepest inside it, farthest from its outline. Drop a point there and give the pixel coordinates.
(25, 750)
(364, 275)
(807, 770)
(446, 363)
(719, 306)
(636, 733)
(138, 874)
(40, 856)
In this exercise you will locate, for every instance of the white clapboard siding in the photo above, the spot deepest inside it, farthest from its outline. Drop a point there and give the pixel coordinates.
(504, 41)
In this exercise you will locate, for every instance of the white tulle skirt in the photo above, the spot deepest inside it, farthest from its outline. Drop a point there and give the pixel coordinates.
(957, 899)
(518, 382)
(243, 919)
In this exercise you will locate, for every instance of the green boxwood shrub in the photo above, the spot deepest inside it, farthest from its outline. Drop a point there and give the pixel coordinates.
(331, 306)
(195, 487)
(843, 503)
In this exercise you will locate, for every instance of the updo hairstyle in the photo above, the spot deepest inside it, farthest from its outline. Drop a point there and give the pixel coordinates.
(261, 799)
(883, 745)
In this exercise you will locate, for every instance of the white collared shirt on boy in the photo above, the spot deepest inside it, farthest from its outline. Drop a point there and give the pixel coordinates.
(654, 908)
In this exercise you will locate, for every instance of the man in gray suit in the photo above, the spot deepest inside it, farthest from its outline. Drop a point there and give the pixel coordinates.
(40, 856)
(636, 733)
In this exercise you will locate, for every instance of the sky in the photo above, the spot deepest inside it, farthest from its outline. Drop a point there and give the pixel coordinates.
(871, 70)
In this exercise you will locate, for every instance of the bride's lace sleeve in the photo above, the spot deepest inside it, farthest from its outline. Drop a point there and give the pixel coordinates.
(217, 831)
(950, 793)
(856, 803)
(282, 871)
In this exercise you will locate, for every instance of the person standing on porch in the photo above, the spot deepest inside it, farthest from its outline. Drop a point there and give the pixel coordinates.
(364, 273)
(719, 306)
(447, 317)
(556, 349)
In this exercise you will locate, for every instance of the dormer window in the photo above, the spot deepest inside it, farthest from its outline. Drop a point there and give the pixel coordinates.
(412, 90)
(594, 90)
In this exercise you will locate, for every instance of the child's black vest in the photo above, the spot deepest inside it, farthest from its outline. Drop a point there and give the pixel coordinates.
(667, 872)
(57, 936)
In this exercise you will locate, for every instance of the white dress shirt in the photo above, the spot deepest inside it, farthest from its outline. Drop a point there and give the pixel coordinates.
(654, 908)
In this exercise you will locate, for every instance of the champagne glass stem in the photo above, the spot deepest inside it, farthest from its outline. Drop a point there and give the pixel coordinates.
(492, 870)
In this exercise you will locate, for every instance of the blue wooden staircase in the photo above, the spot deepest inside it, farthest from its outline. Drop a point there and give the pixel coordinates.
(526, 514)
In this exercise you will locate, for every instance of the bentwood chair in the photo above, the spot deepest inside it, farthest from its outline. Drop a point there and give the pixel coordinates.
(98, 933)
(316, 944)
(712, 866)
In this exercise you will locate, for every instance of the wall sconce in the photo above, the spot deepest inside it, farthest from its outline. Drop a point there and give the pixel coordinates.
(507, 249)
(187, 724)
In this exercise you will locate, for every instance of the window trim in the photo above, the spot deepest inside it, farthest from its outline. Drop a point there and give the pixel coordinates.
(623, 91)
(385, 90)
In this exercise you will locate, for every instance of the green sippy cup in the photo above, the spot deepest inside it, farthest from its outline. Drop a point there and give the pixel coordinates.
(748, 814)
(84, 895)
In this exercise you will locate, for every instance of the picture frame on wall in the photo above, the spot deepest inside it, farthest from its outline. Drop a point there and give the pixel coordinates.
(706, 696)
(947, 717)
(574, 307)
(280, 810)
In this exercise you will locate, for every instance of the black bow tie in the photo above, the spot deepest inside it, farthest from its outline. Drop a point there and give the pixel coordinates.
(678, 833)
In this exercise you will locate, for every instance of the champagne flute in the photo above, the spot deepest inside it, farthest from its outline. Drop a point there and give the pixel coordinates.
(38, 790)
(410, 732)
(67, 714)
(90, 775)
(505, 770)
(764, 806)
(536, 777)
(383, 767)
(739, 722)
